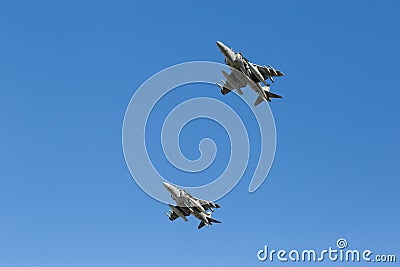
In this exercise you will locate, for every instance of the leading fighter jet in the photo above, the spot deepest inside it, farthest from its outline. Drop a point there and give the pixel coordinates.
(189, 205)
(244, 72)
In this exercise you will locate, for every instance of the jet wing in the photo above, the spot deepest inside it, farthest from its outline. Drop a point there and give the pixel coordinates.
(208, 205)
(234, 80)
(269, 72)
(185, 211)
(177, 211)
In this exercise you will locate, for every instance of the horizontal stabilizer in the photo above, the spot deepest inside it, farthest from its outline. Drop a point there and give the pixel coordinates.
(211, 220)
(272, 95)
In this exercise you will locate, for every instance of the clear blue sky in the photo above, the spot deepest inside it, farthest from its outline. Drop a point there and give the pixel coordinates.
(69, 69)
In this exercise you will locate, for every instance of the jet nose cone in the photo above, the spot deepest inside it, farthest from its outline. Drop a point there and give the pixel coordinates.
(172, 189)
(221, 46)
(167, 185)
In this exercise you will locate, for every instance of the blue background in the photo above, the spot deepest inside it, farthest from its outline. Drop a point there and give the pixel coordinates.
(69, 69)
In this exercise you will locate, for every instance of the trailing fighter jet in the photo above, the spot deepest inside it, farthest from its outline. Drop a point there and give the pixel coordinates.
(244, 72)
(188, 205)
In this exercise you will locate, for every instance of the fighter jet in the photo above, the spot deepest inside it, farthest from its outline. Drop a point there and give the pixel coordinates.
(188, 205)
(253, 74)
